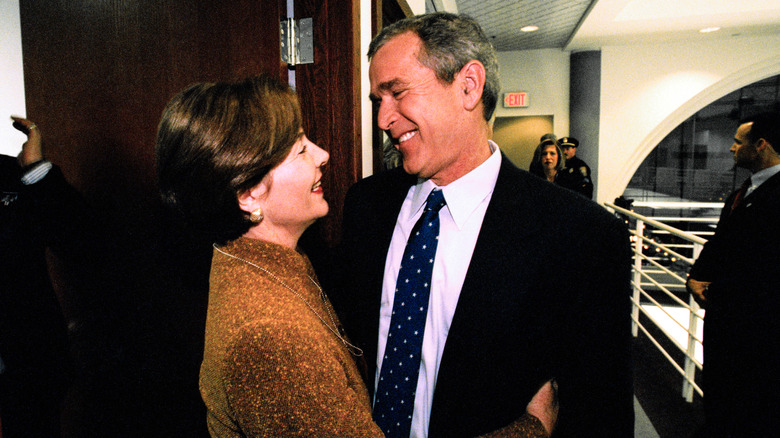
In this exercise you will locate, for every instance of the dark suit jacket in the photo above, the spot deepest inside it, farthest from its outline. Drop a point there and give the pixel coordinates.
(741, 325)
(526, 312)
(33, 336)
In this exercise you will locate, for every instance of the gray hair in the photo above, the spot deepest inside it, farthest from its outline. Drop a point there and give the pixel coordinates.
(449, 42)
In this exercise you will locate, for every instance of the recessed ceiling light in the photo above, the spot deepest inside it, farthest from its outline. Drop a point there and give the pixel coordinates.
(709, 29)
(529, 28)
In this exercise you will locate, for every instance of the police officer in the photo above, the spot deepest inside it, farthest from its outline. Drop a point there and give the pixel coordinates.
(576, 171)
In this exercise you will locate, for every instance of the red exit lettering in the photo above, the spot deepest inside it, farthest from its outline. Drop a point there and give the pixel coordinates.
(519, 99)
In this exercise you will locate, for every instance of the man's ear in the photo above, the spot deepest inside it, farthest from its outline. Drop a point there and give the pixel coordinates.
(471, 79)
(249, 200)
(764, 146)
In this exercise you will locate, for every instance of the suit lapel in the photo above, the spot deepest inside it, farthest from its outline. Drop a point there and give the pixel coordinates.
(509, 222)
(769, 187)
(508, 229)
(760, 196)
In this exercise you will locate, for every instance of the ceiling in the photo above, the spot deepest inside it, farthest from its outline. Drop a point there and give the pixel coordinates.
(592, 24)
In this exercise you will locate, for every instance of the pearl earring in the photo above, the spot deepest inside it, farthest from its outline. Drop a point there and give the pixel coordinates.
(256, 216)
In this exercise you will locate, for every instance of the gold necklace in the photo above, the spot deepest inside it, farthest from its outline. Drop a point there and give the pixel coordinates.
(336, 329)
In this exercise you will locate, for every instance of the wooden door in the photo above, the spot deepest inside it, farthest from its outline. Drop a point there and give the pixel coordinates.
(329, 90)
(98, 74)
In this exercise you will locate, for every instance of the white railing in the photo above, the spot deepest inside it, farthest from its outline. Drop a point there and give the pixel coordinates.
(659, 273)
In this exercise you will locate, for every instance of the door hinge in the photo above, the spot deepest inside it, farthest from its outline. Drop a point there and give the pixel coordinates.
(297, 40)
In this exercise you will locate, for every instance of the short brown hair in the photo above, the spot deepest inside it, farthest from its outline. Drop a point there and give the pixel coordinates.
(449, 42)
(217, 140)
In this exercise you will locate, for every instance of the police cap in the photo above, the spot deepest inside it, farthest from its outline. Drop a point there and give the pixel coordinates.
(565, 142)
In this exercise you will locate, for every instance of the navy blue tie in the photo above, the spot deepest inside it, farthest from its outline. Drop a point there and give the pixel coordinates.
(394, 400)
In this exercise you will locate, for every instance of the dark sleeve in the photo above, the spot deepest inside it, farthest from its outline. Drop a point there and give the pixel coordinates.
(586, 182)
(576, 179)
(595, 379)
(67, 223)
(711, 257)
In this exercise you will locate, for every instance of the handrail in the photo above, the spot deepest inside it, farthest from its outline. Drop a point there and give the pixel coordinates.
(652, 279)
(677, 204)
(663, 247)
(684, 234)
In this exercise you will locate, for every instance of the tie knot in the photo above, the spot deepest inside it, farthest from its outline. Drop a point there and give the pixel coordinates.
(435, 200)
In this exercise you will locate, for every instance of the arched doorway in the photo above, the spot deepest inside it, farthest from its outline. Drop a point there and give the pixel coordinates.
(693, 162)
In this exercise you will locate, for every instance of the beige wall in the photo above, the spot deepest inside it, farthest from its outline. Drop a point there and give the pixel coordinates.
(648, 90)
(544, 75)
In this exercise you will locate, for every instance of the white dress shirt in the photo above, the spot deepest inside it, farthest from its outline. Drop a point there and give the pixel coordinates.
(460, 221)
(760, 177)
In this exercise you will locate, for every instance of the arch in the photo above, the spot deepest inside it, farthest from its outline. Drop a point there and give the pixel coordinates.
(740, 78)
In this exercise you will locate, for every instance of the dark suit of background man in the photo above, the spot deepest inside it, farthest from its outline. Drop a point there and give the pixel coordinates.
(503, 317)
(34, 361)
(736, 276)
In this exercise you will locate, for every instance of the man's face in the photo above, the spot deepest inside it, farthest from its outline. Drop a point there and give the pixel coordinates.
(745, 154)
(420, 113)
(569, 152)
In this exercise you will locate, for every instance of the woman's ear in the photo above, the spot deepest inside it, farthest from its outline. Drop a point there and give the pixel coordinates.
(249, 200)
(472, 80)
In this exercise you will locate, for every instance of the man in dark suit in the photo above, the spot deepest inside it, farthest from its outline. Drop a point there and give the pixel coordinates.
(735, 278)
(502, 317)
(34, 361)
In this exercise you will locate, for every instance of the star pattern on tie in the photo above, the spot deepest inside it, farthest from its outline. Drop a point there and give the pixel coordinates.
(394, 400)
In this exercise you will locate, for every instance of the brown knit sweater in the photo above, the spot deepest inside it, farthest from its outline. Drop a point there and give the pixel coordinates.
(271, 367)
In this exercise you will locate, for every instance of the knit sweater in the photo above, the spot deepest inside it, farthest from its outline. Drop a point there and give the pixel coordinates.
(272, 366)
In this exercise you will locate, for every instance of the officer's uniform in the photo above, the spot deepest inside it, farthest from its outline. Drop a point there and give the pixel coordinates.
(576, 174)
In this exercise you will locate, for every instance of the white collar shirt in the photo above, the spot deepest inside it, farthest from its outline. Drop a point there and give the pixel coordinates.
(760, 177)
(460, 221)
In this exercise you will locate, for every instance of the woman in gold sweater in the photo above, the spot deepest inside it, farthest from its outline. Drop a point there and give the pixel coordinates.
(234, 164)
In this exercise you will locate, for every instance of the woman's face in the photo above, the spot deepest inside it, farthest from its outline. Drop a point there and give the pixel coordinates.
(294, 199)
(549, 157)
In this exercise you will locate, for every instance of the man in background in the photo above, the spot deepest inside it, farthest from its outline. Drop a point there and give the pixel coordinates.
(576, 170)
(34, 360)
(735, 278)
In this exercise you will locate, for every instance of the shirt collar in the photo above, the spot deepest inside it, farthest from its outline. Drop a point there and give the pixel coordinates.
(760, 177)
(465, 194)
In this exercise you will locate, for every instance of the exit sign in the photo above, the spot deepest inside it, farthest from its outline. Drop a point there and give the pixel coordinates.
(516, 100)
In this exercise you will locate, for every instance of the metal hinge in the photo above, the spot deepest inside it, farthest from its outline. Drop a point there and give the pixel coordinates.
(297, 38)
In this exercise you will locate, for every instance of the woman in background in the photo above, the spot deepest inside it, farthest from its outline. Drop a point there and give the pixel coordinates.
(548, 160)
